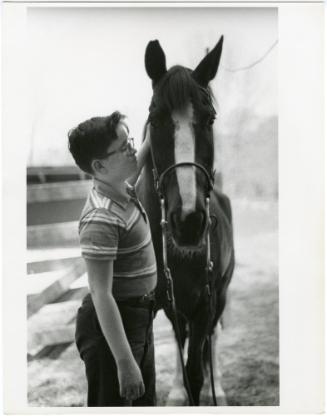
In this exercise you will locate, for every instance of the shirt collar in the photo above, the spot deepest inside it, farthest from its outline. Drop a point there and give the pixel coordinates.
(106, 190)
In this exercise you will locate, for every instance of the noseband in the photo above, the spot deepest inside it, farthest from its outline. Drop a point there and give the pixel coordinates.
(158, 179)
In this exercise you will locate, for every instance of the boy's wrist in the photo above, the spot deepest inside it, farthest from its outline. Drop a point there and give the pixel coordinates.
(126, 362)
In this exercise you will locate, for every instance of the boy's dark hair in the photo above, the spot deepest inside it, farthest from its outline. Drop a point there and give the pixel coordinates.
(90, 139)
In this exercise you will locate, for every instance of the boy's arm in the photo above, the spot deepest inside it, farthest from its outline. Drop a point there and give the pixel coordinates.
(100, 275)
(141, 156)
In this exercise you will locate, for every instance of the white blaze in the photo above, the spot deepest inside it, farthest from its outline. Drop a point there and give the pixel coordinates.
(185, 152)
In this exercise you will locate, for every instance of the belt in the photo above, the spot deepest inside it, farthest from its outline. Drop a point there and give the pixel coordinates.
(139, 301)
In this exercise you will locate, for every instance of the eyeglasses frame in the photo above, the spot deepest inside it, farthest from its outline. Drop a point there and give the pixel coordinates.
(130, 146)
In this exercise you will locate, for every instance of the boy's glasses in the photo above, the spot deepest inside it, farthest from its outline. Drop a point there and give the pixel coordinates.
(128, 146)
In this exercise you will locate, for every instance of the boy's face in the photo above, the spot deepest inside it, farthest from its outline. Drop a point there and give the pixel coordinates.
(121, 161)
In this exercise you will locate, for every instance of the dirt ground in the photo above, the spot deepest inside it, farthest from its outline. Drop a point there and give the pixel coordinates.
(248, 348)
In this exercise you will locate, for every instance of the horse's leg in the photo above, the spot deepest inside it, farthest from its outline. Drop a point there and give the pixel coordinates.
(195, 367)
(177, 395)
(206, 393)
(222, 299)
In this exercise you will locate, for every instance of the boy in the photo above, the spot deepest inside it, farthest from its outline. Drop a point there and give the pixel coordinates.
(114, 324)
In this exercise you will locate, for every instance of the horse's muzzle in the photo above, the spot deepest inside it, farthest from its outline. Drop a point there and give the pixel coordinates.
(188, 230)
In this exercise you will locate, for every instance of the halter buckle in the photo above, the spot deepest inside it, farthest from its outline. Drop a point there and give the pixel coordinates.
(163, 223)
(210, 266)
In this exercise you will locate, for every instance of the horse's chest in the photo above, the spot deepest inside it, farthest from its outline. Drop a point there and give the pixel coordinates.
(189, 285)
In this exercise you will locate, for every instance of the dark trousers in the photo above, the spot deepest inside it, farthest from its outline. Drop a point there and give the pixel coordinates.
(100, 366)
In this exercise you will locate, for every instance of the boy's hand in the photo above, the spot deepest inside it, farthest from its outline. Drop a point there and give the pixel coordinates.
(130, 379)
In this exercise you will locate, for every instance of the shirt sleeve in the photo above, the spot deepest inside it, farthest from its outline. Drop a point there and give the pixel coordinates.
(99, 235)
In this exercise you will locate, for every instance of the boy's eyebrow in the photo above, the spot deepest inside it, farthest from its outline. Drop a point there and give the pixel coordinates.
(118, 148)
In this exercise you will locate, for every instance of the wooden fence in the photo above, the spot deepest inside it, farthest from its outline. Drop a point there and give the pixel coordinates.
(56, 278)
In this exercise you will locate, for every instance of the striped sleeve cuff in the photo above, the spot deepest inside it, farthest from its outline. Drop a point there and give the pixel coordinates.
(99, 252)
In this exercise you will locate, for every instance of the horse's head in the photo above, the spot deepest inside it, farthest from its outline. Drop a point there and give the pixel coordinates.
(181, 131)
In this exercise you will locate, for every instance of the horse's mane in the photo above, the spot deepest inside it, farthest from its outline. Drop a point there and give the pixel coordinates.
(177, 88)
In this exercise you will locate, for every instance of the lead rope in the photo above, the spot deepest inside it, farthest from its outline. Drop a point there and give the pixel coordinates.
(212, 380)
(171, 299)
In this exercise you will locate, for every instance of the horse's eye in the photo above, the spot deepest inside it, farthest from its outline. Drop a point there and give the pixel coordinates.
(154, 123)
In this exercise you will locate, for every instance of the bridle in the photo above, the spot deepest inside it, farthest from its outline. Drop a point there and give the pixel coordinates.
(159, 179)
(158, 184)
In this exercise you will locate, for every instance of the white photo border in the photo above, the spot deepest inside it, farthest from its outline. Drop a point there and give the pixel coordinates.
(301, 208)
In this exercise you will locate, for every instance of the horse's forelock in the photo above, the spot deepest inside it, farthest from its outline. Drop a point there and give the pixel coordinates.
(177, 89)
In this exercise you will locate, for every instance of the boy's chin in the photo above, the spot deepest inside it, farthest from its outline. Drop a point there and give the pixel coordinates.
(132, 171)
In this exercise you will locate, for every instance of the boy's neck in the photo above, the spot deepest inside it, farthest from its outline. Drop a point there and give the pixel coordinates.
(112, 189)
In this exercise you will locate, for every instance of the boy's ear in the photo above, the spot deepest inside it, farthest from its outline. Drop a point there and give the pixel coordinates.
(97, 166)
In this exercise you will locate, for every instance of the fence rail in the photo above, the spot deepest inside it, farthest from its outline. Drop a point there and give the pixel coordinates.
(56, 278)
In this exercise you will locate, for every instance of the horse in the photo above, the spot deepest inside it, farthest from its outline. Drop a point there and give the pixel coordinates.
(180, 127)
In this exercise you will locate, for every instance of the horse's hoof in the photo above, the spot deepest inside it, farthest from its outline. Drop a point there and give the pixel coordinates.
(206, 397)
(206, 400)
(221, 400)
(176, 397)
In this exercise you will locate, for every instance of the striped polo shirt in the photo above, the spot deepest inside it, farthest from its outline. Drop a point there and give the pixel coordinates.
(117, 229)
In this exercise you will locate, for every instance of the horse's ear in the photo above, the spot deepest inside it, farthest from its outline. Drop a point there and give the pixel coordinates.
(155, 61)
(207, 68)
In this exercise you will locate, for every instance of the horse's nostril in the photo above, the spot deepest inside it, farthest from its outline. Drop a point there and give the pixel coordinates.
(194, 219)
